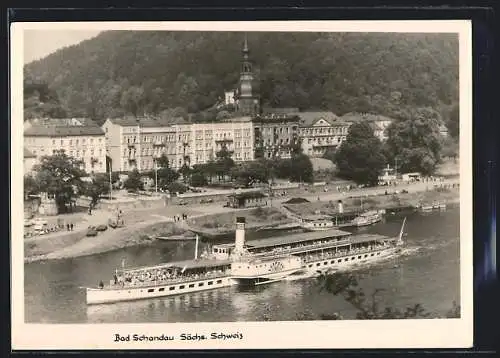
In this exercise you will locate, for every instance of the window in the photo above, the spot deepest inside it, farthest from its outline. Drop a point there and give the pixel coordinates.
(53, 141)
(77, 141)
(359, 256)
(210, 283)
(352, 258)
(162, 289)
(200, 284)
(171, 288)
(318, 264)
(191, 285)
(151, 290)
(219, 281)
(372, 255)
(181, 287)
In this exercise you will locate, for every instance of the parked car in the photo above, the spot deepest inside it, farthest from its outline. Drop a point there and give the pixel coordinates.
(206, 201)
(91, 231)
(102, 228)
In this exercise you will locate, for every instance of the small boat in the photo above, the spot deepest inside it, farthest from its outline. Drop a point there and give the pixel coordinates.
(176, 238)
(317, 223)
(368, 218)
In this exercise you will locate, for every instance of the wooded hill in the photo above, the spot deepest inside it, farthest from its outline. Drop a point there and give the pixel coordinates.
(138, 72)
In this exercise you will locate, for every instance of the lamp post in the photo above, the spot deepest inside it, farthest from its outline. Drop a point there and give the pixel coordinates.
(156, 176)
(110, 181)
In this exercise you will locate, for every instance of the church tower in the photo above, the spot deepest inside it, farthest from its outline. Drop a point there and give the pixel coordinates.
(247, 101)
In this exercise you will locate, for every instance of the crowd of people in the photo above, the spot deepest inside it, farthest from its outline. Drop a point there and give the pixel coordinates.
(343, 252)
(161, 275)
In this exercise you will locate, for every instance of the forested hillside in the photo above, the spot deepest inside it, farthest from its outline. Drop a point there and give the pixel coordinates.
(140, 72)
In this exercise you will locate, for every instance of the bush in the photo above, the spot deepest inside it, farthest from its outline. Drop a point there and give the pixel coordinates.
(177, 187)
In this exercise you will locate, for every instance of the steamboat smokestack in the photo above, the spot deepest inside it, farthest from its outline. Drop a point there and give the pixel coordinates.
(239, 241)
(340, 207)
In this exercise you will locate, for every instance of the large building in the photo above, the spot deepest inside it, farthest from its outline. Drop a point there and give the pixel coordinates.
(82, 140)
(276, 135)
(378, 122)
(137, 143)
(320, 131)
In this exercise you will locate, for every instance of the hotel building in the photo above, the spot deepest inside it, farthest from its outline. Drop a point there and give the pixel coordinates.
(320, 131)
(82, 140)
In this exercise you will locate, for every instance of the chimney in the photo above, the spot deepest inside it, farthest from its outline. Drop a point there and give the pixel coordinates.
(239, 241)
(340, 207)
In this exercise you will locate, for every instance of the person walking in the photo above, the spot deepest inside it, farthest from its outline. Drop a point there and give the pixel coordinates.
(67, 226)
(71, 226)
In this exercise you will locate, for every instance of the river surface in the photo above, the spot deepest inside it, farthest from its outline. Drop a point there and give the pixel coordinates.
(428, 273)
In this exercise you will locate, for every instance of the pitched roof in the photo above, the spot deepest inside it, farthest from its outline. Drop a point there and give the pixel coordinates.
(308, 119)
(144, 122)
(28, 154)
(61, 131)
(371, 117)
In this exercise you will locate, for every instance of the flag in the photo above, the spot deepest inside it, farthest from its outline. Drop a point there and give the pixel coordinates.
(184, 269)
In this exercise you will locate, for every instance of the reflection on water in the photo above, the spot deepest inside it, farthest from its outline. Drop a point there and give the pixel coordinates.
(427, 273)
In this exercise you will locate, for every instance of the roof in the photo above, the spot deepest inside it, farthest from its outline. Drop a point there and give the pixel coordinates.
(147, 122)
(290, 239)
(309, 118)
(61, 131)
(238, 119)
(367, 237)
(370, 117)
(249, 195)
(28, 154)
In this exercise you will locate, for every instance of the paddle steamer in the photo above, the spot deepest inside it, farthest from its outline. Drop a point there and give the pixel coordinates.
(253, 262)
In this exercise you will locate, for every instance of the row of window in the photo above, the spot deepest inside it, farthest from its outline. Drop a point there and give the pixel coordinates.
(83, 141)
(181, 287)
(345, 259)
(340, 130)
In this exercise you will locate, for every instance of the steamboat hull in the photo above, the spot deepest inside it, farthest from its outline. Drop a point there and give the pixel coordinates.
(111, 295)
(323, 265)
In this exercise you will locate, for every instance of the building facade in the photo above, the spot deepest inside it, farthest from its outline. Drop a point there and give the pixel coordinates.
(85, 142)
(378, 122)
(29, 160)
(276, 135)
(137, 144)
(321, 131)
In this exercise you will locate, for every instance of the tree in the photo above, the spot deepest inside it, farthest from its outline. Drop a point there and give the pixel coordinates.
(453, 123)
(414, 140)
(30, 185)
(197, 178)
(134, 181)
(224, 162)
(60, 176)
(360, 156)
(164, 173)
(98, 187)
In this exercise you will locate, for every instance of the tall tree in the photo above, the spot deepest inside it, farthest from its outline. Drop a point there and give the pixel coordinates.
(360, 156)
(415, 141)
(134, 181)
(59, 175)
(95, 189)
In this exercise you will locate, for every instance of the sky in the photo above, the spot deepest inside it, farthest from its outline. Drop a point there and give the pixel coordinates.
(40, 43)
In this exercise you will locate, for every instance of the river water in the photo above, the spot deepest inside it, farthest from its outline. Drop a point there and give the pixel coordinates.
(428, 273)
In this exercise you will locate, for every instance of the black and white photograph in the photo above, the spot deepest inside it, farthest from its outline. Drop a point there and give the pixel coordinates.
(229, 185)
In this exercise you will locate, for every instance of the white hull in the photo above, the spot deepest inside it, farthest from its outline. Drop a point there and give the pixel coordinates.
(327, 264)
(318, 226)
(108, 295)
(275, 276)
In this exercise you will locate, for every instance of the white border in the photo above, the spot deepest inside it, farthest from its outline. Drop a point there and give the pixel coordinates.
(437, 333)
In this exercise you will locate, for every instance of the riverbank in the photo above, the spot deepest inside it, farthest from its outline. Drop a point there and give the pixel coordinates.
(218, 225)
(212, 221)
(381, 201)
